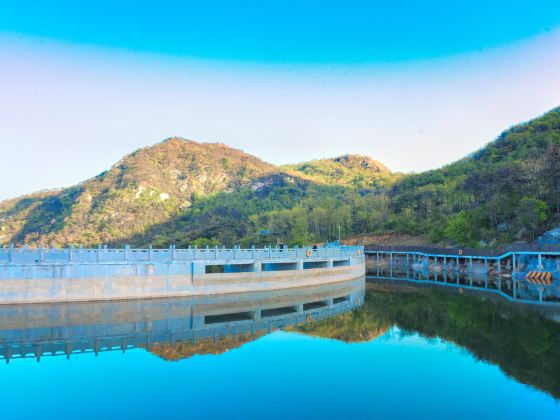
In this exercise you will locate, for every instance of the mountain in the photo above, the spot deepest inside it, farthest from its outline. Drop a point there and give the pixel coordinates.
(183, 192)
(176, 191)
(509, 190)
(355, 170)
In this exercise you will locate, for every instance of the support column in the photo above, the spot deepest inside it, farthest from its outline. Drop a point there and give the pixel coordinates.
(540, 262)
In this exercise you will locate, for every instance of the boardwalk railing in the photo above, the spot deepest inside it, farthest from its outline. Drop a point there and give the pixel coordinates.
(27, 255)
(473, 252)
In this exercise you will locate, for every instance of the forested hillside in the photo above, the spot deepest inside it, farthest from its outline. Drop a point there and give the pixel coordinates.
(506, 191)
(184, 192)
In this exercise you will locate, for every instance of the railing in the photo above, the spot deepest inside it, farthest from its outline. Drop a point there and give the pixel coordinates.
(463, 252)
(27, 255)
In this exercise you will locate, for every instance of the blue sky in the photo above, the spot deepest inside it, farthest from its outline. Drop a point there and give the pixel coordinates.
(413, 84)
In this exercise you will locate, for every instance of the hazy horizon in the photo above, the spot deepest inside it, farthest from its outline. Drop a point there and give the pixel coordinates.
(413, 87)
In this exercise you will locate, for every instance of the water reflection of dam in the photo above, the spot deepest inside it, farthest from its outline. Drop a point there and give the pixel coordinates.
(91, 327)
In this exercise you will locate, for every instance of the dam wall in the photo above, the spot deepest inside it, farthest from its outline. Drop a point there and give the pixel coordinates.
(74, 274)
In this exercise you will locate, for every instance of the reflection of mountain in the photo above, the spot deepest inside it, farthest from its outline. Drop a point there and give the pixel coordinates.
(184, 350)
(349, 327)
(523, 343)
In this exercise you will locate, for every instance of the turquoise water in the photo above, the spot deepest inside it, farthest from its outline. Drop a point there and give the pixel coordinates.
(368, 363)
(282, 375)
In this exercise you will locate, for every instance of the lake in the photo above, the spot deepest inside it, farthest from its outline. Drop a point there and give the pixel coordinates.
(323, 352)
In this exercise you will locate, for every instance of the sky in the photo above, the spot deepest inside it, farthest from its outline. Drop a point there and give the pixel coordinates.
(412, 84)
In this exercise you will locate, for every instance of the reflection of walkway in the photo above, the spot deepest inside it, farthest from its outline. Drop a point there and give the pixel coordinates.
(66, 329)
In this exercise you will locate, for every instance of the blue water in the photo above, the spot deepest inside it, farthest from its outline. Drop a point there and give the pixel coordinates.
(278, 376)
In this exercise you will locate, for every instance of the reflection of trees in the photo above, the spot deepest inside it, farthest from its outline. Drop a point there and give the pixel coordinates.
(523, 343)
(349, 327)
(183, 350)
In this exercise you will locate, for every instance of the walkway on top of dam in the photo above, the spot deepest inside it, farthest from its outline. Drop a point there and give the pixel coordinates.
(28, 255)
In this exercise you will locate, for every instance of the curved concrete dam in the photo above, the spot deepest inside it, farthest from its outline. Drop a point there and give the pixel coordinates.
(75, 274)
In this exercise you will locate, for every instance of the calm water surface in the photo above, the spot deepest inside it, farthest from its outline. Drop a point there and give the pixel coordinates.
(400, 355)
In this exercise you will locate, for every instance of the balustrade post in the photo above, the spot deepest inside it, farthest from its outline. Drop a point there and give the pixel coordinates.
(99, 253)
(11, 253)
(195, 249)
(150, 252)
(42, 253)
(71, 253)
(215, 252)
(253, 252)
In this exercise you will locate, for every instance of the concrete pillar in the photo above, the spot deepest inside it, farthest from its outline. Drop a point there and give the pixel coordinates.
(197, 322)
(257, 315)
(330, 302)
(299, 308)
(541, 289)
(257, 266)
(330, 263)
(299, 265)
